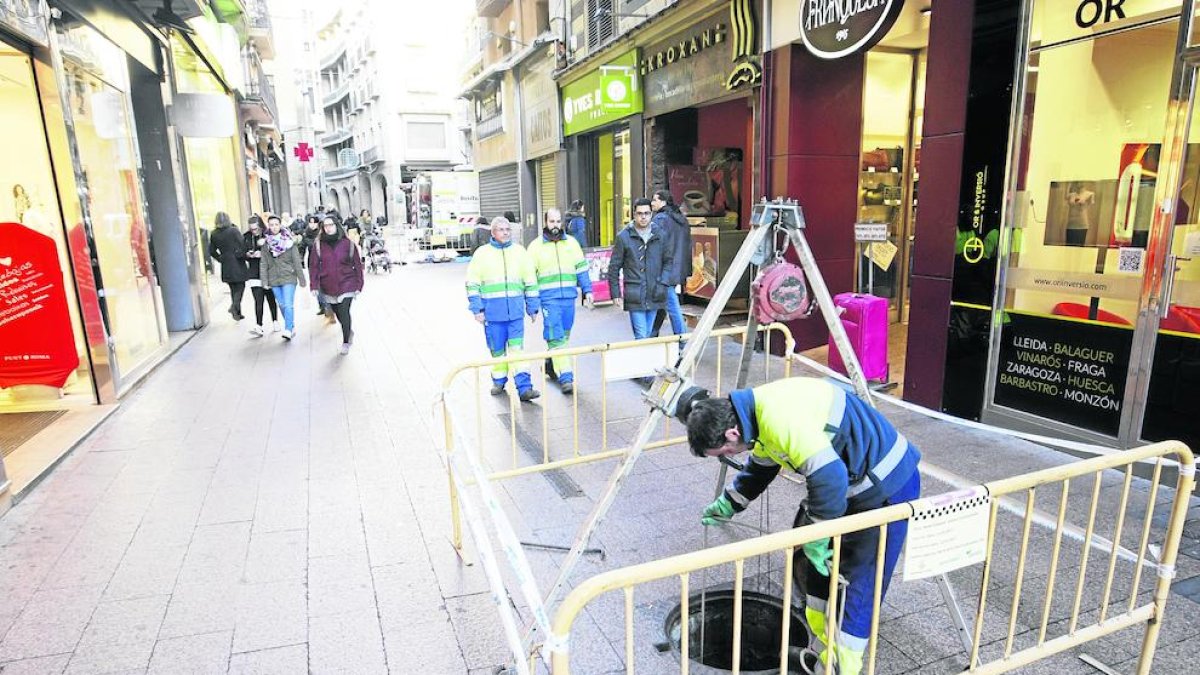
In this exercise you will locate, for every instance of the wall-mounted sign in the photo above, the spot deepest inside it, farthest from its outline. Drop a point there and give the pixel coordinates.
(604, 95)
(540, 97)
(703, 63)
(832, 29)
(1069, 371)
(37, 344)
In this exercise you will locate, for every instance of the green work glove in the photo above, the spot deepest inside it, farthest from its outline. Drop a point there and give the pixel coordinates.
(718, 511)
(818, 553)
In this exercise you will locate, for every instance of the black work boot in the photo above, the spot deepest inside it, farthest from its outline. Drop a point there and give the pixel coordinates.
(528, 395)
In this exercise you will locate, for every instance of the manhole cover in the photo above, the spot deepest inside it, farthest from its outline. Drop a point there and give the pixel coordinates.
(762, 627)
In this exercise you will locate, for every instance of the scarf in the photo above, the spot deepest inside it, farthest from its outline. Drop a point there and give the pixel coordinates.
(279, 243)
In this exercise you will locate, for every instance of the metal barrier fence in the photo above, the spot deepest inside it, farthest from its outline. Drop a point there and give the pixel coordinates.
(561, 458)
(1158, 553)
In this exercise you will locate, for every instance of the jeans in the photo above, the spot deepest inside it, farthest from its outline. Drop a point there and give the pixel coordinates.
(674, 311)
(264, 295)
(642, 321)
(558, 317)
(285, 296)
(341, 310)
(508, 338)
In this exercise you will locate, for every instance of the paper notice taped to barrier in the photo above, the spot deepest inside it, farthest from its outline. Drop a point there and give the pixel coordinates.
(946, 533)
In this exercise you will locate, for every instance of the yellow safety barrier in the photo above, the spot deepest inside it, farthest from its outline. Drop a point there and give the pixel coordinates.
(1109, 618)
(475, 374)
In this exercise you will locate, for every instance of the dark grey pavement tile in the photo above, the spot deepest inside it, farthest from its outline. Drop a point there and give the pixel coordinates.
(192, 655)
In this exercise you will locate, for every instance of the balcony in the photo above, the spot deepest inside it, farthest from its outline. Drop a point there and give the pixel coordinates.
(339, 93)
(490, 8)
(489, 127)
(335, 136)
(258, 100)
(371, 156)
(339, 173)
(329, 61)
(258, 25)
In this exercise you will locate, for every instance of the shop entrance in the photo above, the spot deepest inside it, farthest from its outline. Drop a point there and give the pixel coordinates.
(1095, 332)
(615, 170)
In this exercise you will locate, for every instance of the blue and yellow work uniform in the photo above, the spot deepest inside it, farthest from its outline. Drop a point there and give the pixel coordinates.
(501, 284)
(562, 272)
(853, 460)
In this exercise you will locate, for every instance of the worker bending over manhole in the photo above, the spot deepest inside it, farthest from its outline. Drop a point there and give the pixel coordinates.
(853, 460)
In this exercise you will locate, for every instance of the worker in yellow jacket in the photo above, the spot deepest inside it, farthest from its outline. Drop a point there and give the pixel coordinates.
(501, 290)
(562, 272)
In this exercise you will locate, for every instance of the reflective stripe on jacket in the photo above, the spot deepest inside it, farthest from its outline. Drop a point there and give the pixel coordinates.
(847, 450)
(560, 268)
(501, 283)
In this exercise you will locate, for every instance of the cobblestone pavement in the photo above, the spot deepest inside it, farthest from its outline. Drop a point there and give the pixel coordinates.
(259, 506)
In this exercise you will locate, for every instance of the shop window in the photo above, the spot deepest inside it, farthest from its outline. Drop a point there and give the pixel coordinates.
(96, 78)
(28, 196)
(1086, 192)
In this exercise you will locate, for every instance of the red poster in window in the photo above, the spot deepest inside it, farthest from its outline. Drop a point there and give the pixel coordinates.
(597, 260)
(37, 345)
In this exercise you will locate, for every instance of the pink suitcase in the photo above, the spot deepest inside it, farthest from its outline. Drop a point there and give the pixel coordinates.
(866, 320)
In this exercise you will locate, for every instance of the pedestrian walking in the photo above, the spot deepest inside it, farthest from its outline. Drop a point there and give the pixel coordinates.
(679, 239)
(562, 272)
(853, 460)
(308, 236)
(282, 271)
(640, 253)
(254, 241)
(577, 223)
(501, 290)
(336, 271)
(226, 246)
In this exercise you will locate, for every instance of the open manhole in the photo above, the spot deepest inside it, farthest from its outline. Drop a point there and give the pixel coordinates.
(762, 627)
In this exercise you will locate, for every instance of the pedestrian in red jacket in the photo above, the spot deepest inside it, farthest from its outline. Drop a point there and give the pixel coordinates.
(336, 273)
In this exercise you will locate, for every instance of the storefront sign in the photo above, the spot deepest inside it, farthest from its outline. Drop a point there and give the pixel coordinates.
(832, 29)
(37, 344)
(1054, 22)
(1069, 371)
(25, 18)
(540, 98)
(597, 260)
(605, 95)
(704, 62)
(870, 231)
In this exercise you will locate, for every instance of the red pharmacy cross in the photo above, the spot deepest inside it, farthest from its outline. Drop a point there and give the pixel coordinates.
(303, 152)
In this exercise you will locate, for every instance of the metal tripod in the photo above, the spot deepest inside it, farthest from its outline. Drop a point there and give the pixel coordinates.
(769, 218)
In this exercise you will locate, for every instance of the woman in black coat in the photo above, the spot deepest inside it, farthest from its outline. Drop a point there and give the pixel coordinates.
(254, 240)
(226, 246)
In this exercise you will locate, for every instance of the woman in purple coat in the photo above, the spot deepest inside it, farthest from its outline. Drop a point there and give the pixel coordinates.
(335, 270)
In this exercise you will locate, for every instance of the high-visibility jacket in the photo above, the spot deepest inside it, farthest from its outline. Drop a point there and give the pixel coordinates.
(848, 452)
(500, 282)
(560, 268)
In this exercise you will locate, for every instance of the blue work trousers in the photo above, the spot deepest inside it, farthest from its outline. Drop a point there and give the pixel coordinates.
(558, 317)
(507, 338)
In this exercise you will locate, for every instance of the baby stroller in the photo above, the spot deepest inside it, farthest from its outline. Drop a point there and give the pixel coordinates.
(378, 258)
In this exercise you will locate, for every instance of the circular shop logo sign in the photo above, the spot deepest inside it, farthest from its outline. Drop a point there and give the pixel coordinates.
(616, 91)
(568, 110)
(832, 29)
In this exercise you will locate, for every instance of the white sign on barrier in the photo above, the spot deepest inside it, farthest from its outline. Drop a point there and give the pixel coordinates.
(946, 533)
(623, 364)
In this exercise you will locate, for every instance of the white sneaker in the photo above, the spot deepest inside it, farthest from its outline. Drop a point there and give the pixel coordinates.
(345, 349)
(276, 327)
(287, 335)
(256, 331)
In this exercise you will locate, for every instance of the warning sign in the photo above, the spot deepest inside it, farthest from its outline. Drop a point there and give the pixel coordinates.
(946, 533)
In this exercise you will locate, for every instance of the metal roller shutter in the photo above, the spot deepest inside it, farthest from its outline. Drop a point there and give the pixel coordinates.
(499, 191)
(547, 179)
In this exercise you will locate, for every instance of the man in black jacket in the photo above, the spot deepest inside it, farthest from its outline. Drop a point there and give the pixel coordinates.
(641, 252)
(679, 238)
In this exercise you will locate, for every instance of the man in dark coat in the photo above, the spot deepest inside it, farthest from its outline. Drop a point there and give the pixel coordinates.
(679, 238)
(226, 246)
(642, 254)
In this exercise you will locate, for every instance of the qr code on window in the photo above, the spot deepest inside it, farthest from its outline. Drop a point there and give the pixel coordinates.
(1130, 259)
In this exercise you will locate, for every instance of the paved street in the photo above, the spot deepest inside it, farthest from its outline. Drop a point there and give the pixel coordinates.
(259, 506)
